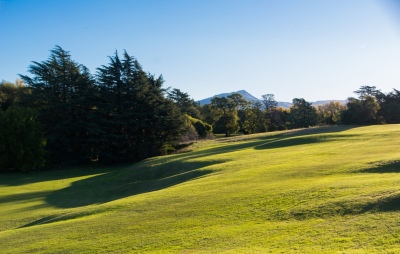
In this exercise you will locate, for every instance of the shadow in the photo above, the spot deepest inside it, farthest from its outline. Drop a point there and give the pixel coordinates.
(147, 176)
(257, 142)
(289, 142)
(117, 184)
(303, 140)
(389, 204)
(23, 197)
(383, 167)
(345, 208)
(61, 217)
(17, 179)
(113, 185)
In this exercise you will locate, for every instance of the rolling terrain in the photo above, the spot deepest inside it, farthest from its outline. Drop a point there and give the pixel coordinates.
(319, 190)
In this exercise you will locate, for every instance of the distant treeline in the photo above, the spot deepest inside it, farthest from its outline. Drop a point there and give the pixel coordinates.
(64, 115)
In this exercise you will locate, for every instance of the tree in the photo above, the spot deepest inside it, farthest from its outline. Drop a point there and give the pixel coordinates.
(222, 103)
(365, 91)
(184, 102)
(227, 123)
(202, 129)
(269, 102)
(365, 109)
(139, 121)
(10, 93)
(236, 101)
(302, 114)
(227, 108)
(210, 114)
(63, 91)
(278, 118)
(361, 111)
(330, 112)
(21, 140)
(254, 119)
(390, 106)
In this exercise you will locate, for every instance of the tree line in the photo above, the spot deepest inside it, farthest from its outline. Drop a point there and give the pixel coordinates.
(61, 114)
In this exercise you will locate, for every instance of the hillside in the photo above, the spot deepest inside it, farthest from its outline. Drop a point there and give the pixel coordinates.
(247, 96)
(320, 190)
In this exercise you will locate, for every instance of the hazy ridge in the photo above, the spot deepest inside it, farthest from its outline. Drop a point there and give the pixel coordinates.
(249, 97)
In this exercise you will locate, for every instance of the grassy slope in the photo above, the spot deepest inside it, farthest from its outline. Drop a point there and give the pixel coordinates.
(315, 191)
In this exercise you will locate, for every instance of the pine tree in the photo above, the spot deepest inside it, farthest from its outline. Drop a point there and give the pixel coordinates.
(138, 120)
(63, 92)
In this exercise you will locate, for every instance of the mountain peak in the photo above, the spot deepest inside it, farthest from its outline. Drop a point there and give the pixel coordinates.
(246, 95)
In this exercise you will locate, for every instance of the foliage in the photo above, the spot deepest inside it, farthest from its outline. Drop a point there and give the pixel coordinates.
(330, 113)
(361, 111)
(203, 130)
(227, 109)
(119, 115)
(302, 114)
(183, 101)
(390, 106)
(255, 121)
(21, 140)
(62, 92)
(279, 118)
(269, 102)
(140, 122)
(227, 123)
(365, 91)
(10, 93)
(209, 114)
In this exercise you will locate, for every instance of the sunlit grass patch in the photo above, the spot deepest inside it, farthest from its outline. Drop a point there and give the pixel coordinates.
(320, 190)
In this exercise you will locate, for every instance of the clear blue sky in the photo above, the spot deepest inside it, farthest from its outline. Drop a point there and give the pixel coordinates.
(312, 49)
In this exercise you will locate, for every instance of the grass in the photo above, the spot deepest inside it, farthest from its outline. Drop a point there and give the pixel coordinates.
(320, 190)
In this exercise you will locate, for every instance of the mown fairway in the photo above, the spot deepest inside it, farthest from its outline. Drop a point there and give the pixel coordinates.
(320, 190)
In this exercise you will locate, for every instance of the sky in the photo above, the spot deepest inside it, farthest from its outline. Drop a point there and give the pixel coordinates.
(311, 49)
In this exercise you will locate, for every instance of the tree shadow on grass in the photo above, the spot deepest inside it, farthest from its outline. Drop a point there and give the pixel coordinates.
(383, 167)
(17, 179)
(277, 140)
(302, 140)
(392, 202)
(388, 204)
(281, 143)
(23, 197)
(113, 185)
(131, 181)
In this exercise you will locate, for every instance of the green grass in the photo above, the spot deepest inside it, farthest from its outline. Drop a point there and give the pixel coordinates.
(320, 190)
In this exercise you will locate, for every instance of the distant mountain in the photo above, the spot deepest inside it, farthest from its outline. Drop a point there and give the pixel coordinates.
(283, 104)
(327, 101)
(247, 96)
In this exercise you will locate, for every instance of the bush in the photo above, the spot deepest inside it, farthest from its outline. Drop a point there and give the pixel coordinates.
(203, 129)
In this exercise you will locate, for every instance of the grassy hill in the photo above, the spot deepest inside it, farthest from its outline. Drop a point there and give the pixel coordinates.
(321, 190)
